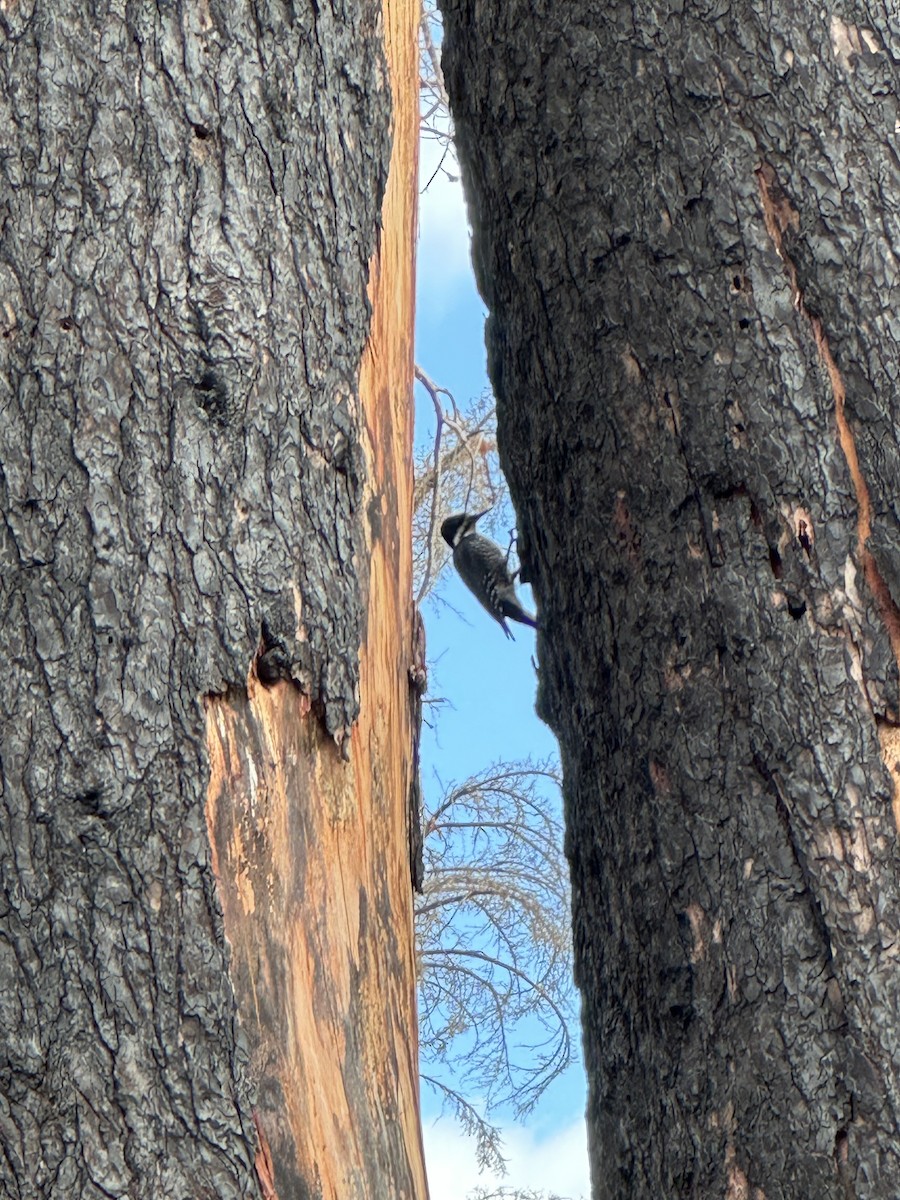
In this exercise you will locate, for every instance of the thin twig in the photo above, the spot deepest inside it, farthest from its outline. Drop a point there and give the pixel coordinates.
(437, 169)
(437, 81)
(468, 439)
(433, 391)
(425, 479)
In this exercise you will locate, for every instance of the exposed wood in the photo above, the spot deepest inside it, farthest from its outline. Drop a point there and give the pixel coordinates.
(190, 198)
(311, 849)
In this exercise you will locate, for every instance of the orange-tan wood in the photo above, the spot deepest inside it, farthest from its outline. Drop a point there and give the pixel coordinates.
(309, 850)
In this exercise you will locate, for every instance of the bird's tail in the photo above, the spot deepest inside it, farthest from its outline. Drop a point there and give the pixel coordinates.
(516, 612)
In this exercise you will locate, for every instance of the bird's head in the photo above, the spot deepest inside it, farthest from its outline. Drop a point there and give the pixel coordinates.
(455, 528)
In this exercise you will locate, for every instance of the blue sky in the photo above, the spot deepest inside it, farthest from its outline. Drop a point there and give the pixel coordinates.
(489, 683)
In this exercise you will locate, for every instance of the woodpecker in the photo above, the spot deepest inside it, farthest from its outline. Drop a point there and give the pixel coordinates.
(483, 569)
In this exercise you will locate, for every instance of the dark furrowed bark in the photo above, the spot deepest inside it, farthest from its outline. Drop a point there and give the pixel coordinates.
(190, 196)
(683, 234)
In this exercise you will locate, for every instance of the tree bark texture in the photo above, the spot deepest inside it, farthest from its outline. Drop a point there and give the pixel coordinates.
(310, 850)
(685, 222)
(190, 197)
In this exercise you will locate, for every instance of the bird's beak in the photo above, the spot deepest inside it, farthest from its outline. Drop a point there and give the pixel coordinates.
(478, 516)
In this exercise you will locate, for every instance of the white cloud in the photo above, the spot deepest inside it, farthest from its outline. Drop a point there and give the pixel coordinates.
(444, 261)
(556, 1162)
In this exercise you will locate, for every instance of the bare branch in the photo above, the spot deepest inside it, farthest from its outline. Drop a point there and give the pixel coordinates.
(487, 1136)
(432, 55)
(435, 121)
(493, 934)
(441, 486)
(433, 391)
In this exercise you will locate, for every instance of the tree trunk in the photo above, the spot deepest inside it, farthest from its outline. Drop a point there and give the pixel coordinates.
(203, 501)
(684, 225)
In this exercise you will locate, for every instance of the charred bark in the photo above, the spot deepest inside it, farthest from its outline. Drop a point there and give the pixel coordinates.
(190, 199)
(683, 232)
